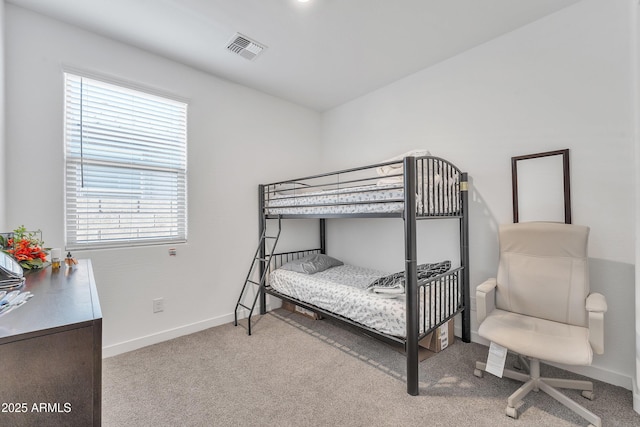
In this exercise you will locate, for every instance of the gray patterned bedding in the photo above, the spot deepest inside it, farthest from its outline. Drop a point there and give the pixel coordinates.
(343, 290)
(353, 200)
(387, 196)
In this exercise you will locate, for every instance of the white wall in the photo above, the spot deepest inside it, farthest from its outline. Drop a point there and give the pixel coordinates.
(237, 138)
(635, 45)
(562, 82)
(3, 170)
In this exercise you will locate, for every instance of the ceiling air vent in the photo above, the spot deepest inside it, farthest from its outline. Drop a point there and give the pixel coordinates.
(245, 47)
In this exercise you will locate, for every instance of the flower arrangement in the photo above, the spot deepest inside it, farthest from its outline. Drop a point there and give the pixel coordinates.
(26, 247)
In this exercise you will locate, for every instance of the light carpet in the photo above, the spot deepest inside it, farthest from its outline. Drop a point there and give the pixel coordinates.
(294, 371)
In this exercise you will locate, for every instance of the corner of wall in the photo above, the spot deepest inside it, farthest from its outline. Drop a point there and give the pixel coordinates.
(3, 179)
(634, 17)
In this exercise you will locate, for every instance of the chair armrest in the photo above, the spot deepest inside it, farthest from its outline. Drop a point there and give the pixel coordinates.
(596, 306)
(485, 299)
(596, 303)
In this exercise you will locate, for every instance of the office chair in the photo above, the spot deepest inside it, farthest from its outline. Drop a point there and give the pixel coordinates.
(539, 306)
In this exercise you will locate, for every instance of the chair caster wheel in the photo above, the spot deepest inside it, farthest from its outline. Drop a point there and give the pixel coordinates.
(478, 373)
(587, 394)
(512, 412)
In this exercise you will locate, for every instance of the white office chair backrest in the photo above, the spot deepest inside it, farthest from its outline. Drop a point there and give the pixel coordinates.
(543, 271)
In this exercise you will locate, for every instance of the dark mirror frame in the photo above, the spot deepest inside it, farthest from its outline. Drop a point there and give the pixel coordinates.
(565, 173)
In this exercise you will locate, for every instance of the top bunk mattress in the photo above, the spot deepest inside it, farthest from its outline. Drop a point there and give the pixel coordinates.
(343, 290)
(341, 201)
(375, 189)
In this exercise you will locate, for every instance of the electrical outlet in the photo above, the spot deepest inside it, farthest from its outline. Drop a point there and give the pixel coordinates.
(158, 305)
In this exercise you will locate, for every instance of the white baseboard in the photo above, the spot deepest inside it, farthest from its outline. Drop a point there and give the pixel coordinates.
(636, 397)
(134, 344)
(595, 372)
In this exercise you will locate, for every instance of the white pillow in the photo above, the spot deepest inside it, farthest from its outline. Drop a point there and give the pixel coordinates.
(397, 168)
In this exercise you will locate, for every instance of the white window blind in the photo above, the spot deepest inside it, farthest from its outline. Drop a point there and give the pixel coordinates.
(125, 166)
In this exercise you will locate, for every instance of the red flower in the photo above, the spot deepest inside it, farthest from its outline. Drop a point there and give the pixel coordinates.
(26, 248)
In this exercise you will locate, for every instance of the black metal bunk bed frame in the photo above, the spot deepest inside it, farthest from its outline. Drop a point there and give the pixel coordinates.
(457, 279)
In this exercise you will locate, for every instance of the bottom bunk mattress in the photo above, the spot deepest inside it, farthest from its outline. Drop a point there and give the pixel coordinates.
(346, 290)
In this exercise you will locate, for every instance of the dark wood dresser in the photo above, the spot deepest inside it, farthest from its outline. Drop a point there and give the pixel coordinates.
(51, 351)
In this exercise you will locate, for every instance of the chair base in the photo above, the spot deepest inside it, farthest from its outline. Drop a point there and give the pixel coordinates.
(533, 382)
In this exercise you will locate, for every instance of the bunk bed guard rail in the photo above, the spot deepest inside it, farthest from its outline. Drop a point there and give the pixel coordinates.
(369, 191)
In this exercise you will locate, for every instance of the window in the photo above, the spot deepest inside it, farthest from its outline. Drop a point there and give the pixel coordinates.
(125, 166)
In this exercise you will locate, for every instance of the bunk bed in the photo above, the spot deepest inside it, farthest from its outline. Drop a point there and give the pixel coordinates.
(412, 189)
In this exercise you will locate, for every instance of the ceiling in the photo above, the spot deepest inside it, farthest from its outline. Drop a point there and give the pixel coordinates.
(320, 54)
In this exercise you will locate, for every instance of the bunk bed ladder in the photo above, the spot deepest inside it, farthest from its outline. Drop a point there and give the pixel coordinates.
(261, 260)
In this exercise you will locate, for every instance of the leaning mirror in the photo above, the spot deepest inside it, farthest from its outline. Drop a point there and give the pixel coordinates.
(541, 188)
